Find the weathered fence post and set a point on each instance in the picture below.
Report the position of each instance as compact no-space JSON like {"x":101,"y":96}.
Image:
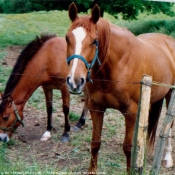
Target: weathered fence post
{"x":163,"y":135}
{"x":140,"y":131}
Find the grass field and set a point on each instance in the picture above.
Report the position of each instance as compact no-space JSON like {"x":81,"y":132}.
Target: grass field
{"x":19,"y":29}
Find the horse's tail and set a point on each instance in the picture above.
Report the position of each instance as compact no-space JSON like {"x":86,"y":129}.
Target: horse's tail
{"x":154,"y":114}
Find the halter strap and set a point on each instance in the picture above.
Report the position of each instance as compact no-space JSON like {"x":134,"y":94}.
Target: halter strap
{"x":88,"y":65}
{"x":18,"y":119}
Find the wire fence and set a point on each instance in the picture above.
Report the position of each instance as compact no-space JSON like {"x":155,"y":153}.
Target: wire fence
{"x":41,"y":101}
{"x":103,"y":80}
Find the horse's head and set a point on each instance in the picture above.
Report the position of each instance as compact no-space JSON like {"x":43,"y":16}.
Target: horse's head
{"x":9,"y":118}
{"x":82,"y":48}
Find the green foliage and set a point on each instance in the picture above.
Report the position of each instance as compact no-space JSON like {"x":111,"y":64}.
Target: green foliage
{"x":17,"y":6}
{"x":129,"y":9}
{"x":151,"y":26}
{"x":21,"y":6}
{"x":22,"y":28}
{"x":73,"y":117}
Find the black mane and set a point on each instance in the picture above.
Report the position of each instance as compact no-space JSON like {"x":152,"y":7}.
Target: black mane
{"x":25,"y":56}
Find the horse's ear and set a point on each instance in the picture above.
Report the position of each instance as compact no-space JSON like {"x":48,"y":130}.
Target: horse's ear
{"x":73,"y":12}
{"x":95,"y":14}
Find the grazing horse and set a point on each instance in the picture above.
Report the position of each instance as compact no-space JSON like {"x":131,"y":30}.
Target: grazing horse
{"x":41,"y":63}
{"x":110,"y":61}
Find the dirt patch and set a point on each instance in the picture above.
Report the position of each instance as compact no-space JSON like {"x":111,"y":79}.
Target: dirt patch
{"x":69,"y":156}
{"x":12,"y":55}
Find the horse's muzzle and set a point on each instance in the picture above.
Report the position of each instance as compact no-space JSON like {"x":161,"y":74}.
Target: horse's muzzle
{"x":4,"y":137}
{"x":75,"y":87}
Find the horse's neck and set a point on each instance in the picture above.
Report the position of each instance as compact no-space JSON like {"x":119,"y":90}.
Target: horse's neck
{"x":121,"y":39}
{"x":121,"y":45}
{"x":24,"y":89}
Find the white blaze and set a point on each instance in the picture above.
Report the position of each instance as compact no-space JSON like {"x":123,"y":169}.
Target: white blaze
{"x":79,"y":34}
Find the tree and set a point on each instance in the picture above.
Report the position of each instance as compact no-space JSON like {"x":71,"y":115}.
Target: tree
{"x":129,"y":9}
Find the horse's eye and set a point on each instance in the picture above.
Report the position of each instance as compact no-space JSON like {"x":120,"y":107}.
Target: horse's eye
{"x":94,"y":41}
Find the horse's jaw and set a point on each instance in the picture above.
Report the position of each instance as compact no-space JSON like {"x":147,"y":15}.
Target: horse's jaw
{"x":76,"y":92}
{"x":4,"y":137}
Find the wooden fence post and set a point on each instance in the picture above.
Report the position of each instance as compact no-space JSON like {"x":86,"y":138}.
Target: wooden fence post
{"x":163,"y":135}
{"x":140,"y":130}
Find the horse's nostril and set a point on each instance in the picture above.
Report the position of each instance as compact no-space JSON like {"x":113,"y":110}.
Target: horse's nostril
{"x":82,"y":81}
{"x":68,"y":81}
{"x":5,"y":118}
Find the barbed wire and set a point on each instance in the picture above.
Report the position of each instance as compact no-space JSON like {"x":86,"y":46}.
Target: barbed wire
{"x":105,"y":80}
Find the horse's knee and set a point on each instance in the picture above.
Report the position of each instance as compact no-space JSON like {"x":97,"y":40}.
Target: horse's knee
{"x":66,"y":109}
{"x":127,"y":149}
{"x":95,"y":146}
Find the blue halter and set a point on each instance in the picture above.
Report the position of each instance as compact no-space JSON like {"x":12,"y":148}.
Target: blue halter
{"x":88,"y":65}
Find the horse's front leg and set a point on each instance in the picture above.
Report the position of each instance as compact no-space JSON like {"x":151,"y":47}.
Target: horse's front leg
{"x":48,"y":96}
{"x":66,"y":98}
{"x":97,"y":121}
{"x":82,"y":119}
{"x":130,"y":118}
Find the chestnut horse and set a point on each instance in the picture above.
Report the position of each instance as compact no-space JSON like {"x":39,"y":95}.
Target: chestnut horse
{"x":41,"y":63}
{"x":110,"y":61}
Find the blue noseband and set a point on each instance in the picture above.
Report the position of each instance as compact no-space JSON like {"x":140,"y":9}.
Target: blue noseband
{"x":88,"y":65}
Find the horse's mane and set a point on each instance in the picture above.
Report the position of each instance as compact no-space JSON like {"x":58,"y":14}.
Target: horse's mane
{"x":103,"y":29}
{"x":103,"y":33}
{"x":24,"y":58}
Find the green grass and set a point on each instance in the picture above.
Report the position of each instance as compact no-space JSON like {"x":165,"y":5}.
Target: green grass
{"x":73,"y":116}
{"x":19,"y":29}
{"x":4,"y":71}
{"x":18,"y":164}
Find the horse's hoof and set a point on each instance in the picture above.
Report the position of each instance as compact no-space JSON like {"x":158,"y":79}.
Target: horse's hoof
{"x":46,"y":136}
{"x":65,"y":139}
{"x":75,"y":129}
{"x":140,"y":170}
{"x":167,"y":163}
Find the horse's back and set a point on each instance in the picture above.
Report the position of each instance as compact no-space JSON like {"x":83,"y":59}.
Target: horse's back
{"x":50,"y":62}
{"x":159,"y":58}
{"x":53,"y":54}
{"x":158,"y":48}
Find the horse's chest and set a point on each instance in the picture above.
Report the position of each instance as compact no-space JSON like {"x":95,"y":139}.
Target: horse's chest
{"x":106,"y":100}
{"x":116,"y":97}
